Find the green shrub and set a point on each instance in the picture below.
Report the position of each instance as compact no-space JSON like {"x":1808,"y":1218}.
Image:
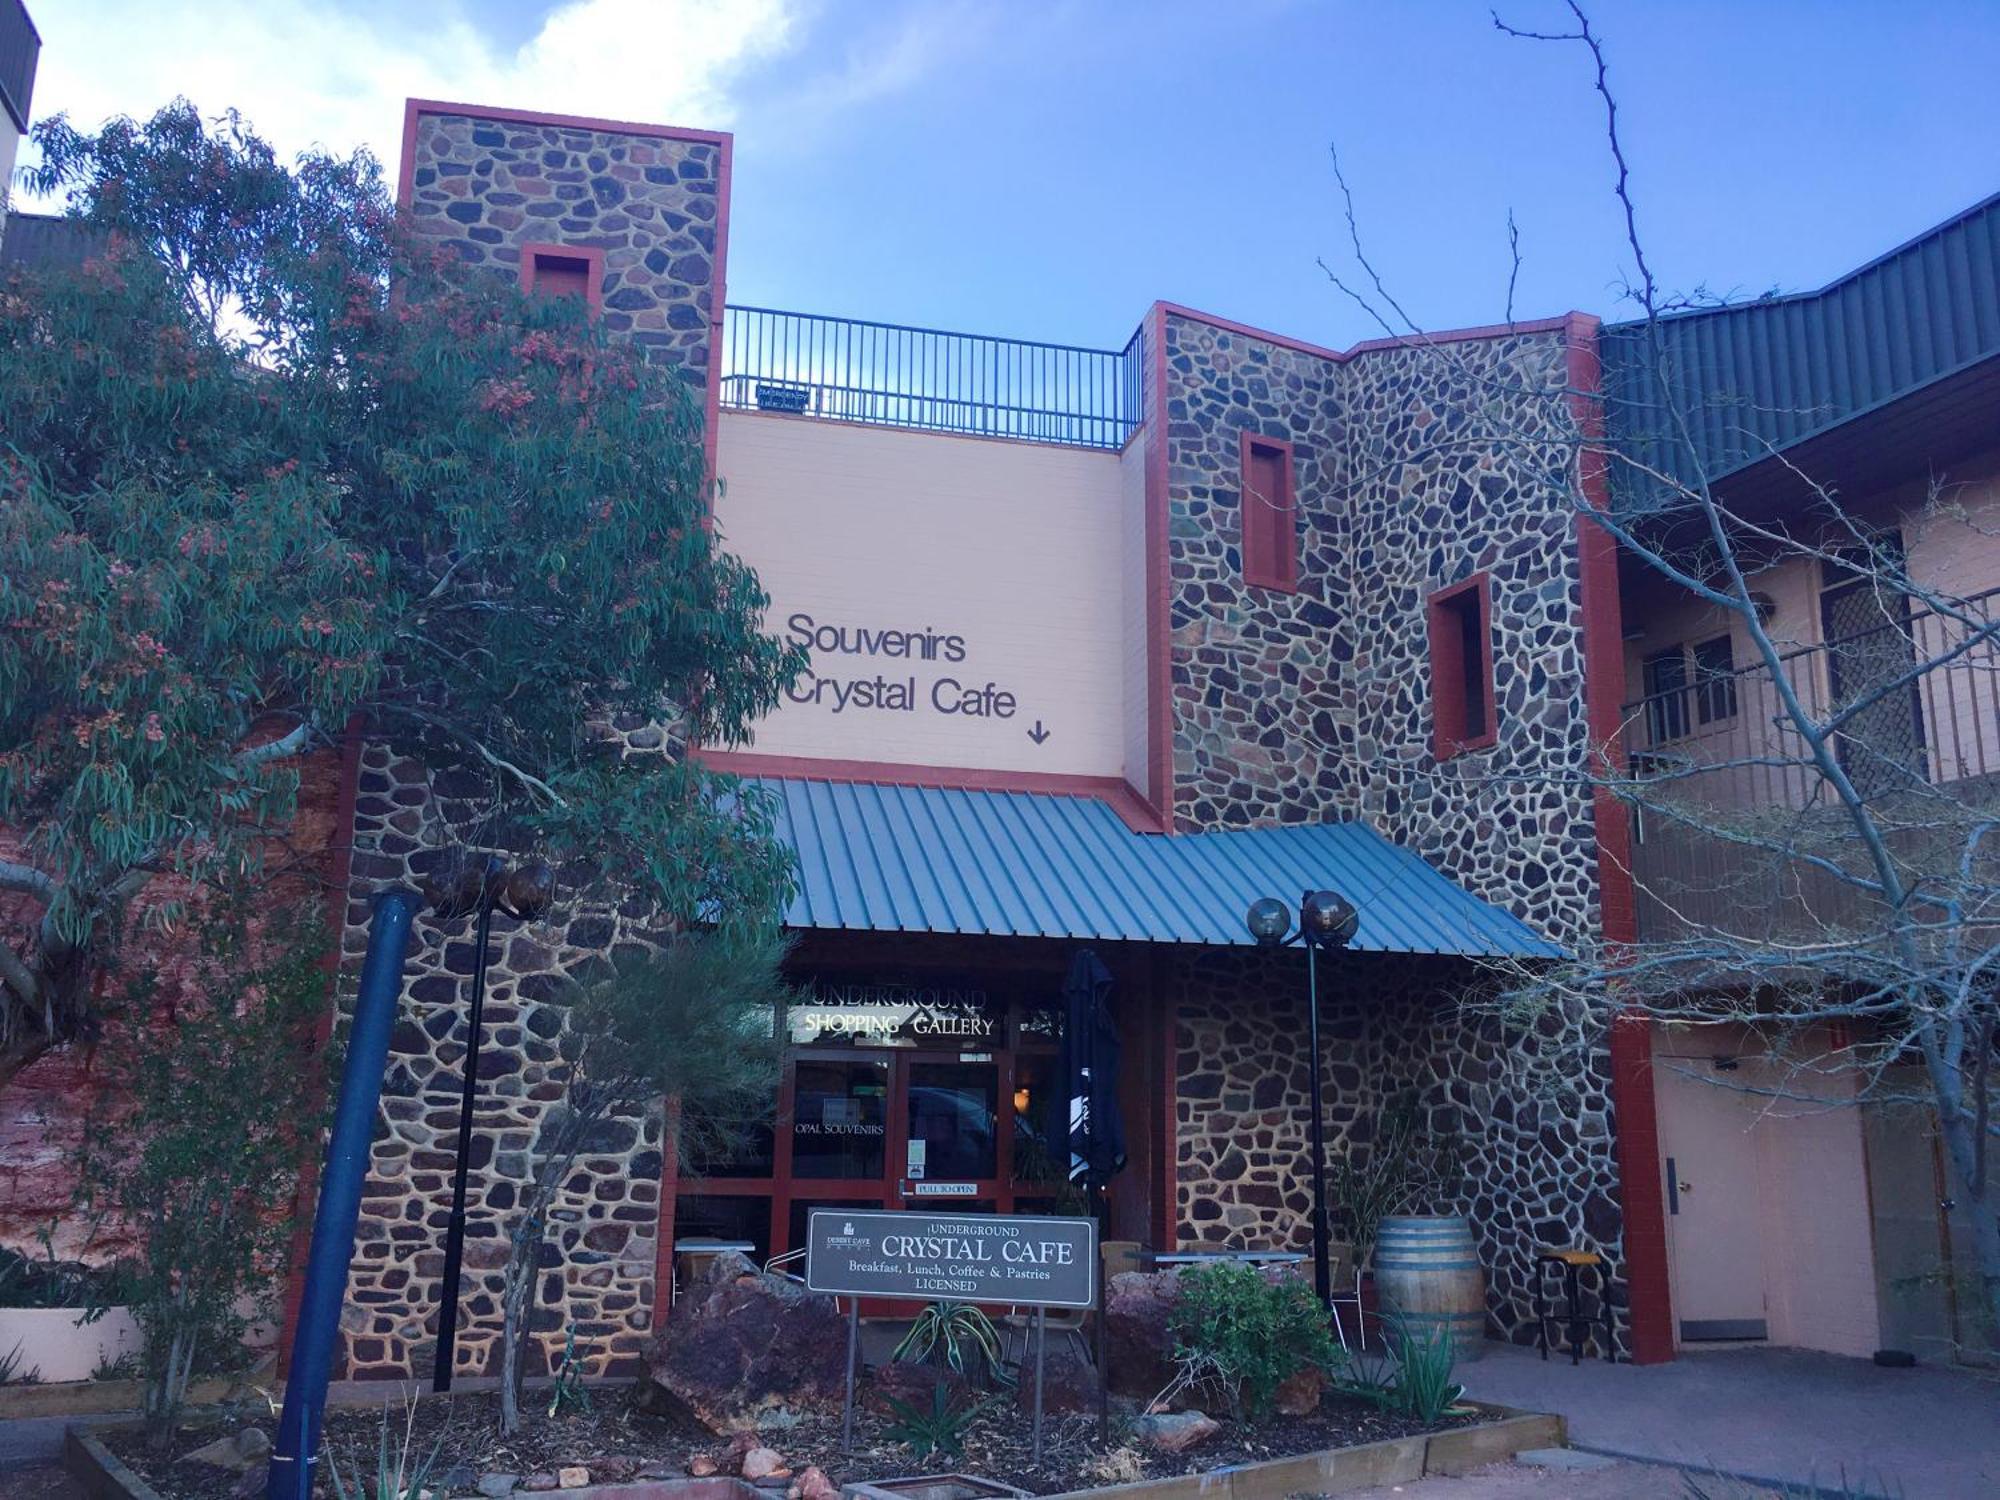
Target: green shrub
{"x":1245,"y":1334}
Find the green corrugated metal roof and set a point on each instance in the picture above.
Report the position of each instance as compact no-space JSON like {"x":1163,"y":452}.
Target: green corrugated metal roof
{"x":885,"y":858}
{"x":1764,"y":375}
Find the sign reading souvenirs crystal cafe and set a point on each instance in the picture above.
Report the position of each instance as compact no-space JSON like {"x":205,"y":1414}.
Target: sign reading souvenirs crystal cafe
{"x":861,"y":669}
{"x":1027,"y":1262}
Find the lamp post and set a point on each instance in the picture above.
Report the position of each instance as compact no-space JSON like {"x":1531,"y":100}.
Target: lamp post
{"x":465,"y":884}
{"x":1326,"y":920}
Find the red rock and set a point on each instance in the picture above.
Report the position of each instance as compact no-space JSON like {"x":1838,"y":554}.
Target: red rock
{"x":813,"y":1485}
{"x":764,"y":1463}
{"x":740,"y":1345}
{"x":1069,"y":1380}
{"x":1139,"y":1343}
{"x":1300,"y":1395}
{"x":1175,"y":1432}
{"x":700,"y":1465}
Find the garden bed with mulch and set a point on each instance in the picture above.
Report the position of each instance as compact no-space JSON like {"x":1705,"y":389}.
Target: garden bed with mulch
{"x":617,"y":1440}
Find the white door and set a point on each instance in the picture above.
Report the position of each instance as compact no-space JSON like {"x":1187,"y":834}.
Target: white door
{"x":1714,"y":1228}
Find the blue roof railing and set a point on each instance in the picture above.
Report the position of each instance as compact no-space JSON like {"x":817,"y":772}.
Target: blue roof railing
{"x":897,"y":375}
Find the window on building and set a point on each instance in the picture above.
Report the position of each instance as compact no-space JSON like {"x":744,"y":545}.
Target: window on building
{"x":562,"y":271}
{"x":1714,"y":681}
{"x":561,"y":276}
{"x":1270,"y":512}
{"x":1463,"y":716}
{"x":1665,"y":677}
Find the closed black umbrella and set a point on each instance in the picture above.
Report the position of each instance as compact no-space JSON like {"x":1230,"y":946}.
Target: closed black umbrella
{"x":1092,"y":1127}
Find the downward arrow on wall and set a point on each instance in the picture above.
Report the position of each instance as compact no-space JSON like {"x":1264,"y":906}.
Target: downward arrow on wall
{"x":1038,"y":734}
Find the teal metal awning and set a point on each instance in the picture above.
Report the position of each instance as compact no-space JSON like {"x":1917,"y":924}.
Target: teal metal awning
{"x":881,"y":858}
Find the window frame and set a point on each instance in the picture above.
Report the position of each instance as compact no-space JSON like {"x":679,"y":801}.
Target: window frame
{"x":1715,"y":699}
{"x":1284,"y":517}
{"x":1444,"y":613}
{"x":1669,"y":710}
{"x":592,"y":255}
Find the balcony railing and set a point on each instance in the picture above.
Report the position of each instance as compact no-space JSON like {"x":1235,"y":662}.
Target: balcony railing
{"x":892,"y":375}
{"x":1921,"y":740}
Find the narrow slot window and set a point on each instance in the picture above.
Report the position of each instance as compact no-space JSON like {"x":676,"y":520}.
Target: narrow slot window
{"x":1463,"y":712}
{"x":1270,"y":515}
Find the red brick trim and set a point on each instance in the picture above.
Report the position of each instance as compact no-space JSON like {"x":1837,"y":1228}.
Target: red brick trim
{"x":340,"y":866}
{"x":1124,"y":801}
{"x":725,"y":179}
{"x":1165,"y":1013}
{"x":1368,"y":346}
{"x":1283,"y":515}
{"x":593,"y":256}
{"x":1446,"y":653}
{"x":1641,"y":1192}
{"x":1159,"y":578}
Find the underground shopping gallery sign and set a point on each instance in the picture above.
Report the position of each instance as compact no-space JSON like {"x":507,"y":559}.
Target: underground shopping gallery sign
{"x":1022,"y":1262}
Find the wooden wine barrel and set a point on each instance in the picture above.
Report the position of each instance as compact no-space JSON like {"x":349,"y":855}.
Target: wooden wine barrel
{"x":1427,"y":1273}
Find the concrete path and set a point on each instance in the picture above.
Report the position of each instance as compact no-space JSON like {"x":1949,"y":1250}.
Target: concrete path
{"x":1619,"y":1481}
{"x":1931,"y":1433}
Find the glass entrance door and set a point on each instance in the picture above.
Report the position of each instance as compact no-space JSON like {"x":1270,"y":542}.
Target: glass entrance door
{"x":952,"y":1132}
{"x":838,"y":1137}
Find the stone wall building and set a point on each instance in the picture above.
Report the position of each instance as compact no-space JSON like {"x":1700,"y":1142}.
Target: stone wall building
{"x":1296,"y":702}
{"x":1105,"y":645}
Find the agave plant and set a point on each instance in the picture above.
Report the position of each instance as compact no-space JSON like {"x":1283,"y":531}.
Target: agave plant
{"x":940,"y":1429}
{"x":399,"y":1473}
{"x":957,"y":1335}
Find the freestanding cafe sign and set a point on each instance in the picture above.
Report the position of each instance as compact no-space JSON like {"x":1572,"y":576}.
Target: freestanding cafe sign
{"x":947,"y":1257}
{"x":953,"y":1257}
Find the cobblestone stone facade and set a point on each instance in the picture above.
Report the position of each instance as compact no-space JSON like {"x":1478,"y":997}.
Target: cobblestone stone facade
{"x":1539,"y":1164}
{"x":1416,"y":468}
{"x":598,"y":1260}
{"x":652,"y":202}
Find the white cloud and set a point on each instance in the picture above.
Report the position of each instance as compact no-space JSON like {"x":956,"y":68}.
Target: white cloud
{"x":304,"y":75}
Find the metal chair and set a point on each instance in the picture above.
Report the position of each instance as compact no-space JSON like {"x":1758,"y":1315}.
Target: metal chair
{"x":1343,"y":1298}
{"x":1063,"y":1323}
{"x":781,"y":1265}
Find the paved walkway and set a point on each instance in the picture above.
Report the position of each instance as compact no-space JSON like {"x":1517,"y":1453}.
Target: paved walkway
{"x":1927,"y":1434}
{"x":1620,"y":1481}
{"x":41,"y":1482}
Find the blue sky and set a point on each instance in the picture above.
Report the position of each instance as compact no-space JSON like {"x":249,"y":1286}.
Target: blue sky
{"x":1047,"y":169}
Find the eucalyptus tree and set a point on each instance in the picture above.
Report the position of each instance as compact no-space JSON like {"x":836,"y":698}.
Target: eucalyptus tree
{"x":268,"y":467}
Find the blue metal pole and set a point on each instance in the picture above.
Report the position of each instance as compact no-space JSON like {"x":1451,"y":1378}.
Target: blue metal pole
{"x":297,"y":1450}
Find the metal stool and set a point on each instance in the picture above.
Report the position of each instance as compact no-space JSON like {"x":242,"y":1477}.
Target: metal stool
{"x":1570,"y":1264}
